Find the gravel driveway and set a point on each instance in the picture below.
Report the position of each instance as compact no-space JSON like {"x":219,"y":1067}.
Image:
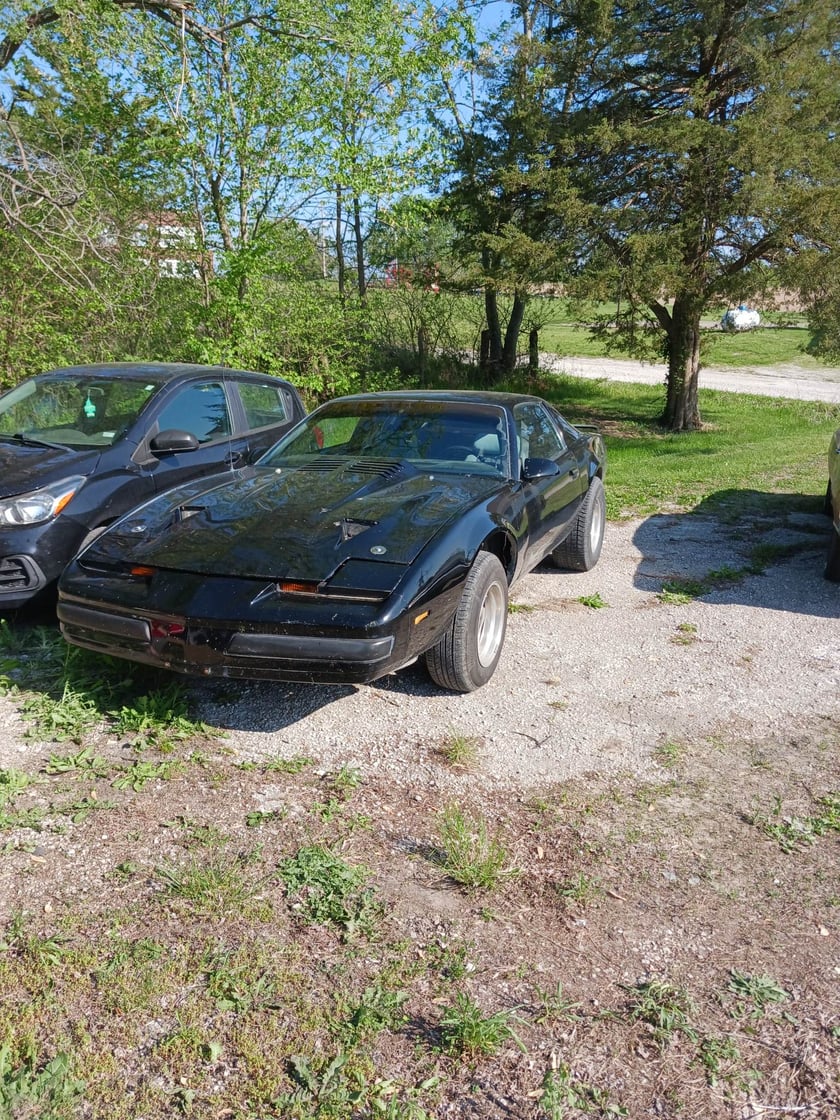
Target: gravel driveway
{"x":581,"y":689}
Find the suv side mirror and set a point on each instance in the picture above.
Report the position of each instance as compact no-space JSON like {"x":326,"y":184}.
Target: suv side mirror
{"x":532,"y":469}
{"x":173,"y":439}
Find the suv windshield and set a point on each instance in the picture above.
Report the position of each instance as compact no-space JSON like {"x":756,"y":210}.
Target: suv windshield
{"x":74,"y":412}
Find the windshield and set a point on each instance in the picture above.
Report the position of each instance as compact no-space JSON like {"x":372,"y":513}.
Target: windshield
{"x":431,"y":435}
{"x":74,"y":411}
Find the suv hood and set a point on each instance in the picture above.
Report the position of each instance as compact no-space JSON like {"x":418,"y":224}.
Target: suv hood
{"x":24,"y":467}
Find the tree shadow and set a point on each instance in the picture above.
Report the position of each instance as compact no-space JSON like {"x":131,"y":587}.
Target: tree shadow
{"x":741,"y":547}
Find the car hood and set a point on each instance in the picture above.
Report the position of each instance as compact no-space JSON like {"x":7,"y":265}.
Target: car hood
{"x":294,"y":522}
{"x":24,"y":467}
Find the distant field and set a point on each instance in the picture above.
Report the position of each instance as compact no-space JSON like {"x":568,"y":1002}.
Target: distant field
{"x":766,"y":345}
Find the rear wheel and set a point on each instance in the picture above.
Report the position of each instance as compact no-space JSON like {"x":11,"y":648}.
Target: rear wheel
{"x":467,"y":655}
{"x":580,"y":550}
{"x":832,"y":565}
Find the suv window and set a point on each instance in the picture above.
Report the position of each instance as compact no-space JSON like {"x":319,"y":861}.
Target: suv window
{"x":200,"y":409}
{"x":263,"y":404}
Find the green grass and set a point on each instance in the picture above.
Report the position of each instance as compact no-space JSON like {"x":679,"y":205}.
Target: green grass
{"x":754,"y":455}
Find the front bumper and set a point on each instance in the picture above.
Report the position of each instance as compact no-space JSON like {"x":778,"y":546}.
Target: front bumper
{"x":204,"y":649}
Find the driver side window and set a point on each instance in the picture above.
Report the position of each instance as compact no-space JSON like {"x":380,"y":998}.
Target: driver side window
{"x":537,"y":436}
{"x":200,"y":409}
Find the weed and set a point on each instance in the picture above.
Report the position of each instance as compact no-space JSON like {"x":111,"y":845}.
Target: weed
{"x":84,"y":761}
{"x":686,"y":634}
{"x":758,"y":991}
{"x":472,"y":857}
{"x":380,"y":1008}
{"x":669,"y":753}
{"x":287,"y":765}
{"x":47,"y":951}
{"x":720,"y":1058}
{"x":520,"y":608}
{"x":459,"y":750}
{"x":139,"y":773}
{"x":664,"y":1007}
{"x":70,"y":717}
{"x":12,"y":782}
{"x":48,"y":1091}
{"x":263,"y":816}
{"x":346,"y":779}
{"x":239,"y":983}
{"x":561,"y":1091}
{"x":158,"y":719}
{"x":594,"y":602}
{"x":330,"y":891}
{"x":792,"y":833}
{"x":678,"y":592}
{"x":580,"y":890}
{"x":467,"y":1032}
{"x":214,"y":887}
{"x":554,"y":1006}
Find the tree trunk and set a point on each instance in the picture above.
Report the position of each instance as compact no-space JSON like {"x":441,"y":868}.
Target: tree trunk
{"x":514,"y":327}
{"x":493,"y":360}
{"x":682,"y":413}
{"x":341,"y":266}
{"x":360,"y":249}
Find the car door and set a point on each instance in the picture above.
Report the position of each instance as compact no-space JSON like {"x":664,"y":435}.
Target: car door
{"x":551,"y":501}
{"x":201,"y":408}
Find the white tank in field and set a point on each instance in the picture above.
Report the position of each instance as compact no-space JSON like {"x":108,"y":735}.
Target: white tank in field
{"x":741,"y":318}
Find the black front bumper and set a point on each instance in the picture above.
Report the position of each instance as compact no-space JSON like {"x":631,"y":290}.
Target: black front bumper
{"x":212,"y":650}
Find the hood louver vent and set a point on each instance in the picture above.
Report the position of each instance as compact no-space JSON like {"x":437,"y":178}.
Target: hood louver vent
{"x":381,"y":468}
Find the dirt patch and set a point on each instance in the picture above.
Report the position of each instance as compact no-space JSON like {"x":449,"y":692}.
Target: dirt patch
{"x":660,"y":936}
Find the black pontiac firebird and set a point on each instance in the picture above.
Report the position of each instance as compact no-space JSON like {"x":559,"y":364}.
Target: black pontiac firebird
{"x":384,"y":527}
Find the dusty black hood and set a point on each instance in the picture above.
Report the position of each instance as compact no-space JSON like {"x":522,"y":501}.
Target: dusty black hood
{"x":294,"y":522}
{"x":24,"y":467}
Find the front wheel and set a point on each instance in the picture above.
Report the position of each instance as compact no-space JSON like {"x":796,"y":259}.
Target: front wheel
{"x":467,"y":655}
{"x":581,"y":548}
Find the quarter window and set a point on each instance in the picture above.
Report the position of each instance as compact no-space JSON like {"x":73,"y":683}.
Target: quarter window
{"x":263,"y":404}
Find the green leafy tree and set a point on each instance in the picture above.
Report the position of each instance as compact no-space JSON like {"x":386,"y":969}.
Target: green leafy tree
{"x":703,"y":139}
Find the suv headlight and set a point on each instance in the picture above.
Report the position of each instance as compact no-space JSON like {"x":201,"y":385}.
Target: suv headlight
{"x":39,"y":505}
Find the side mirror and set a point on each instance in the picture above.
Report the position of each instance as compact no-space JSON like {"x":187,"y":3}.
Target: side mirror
{"x":173,"y":439}
{"x":534,"y":469}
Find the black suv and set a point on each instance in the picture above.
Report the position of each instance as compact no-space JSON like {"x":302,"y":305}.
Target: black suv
{"x":81,"y":446}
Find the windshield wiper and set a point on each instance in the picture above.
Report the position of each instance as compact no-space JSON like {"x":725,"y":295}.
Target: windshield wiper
{"x":31,"y":441}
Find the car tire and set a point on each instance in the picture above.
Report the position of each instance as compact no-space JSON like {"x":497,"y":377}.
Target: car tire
{"x":580,"y":550}
{"x":832,"y":564}
{"x":467,"y":655}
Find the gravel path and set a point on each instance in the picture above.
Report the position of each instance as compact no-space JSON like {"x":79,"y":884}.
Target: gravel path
{"x":793,"y":381}
{"x":581,"y":689}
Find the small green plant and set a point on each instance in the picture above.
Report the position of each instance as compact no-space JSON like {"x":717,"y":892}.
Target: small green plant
{"x":459,"y":750}
{"x":594,"y":602}
{"x":686,"y":634}
{"x":292,"y":765}
{"x":664,"y":1007}
{"x":520,"y":608}
{"x":48,"y":1091}
{"x":555,"y":1006}
{"x":136,"y":776}
{"x":328,"y":891}
{"x":759,"y":992}
{"x":71,"y":716}
{"x":214,"y":886}
{"x":380,"y":1008}
{"x":720,"y":1058}
{"x":792,"y":833}
{"x":346,"y":779}
{"x":472,"y":856}
{"x":580,"y":889}
{"x":467,"y":1032}
{"x":159,"y":719}
{"x":12,"y":782}
{"x":84,"y":761}
{"x":669,"y":753}
{"x":562,"y":1095}
{"x":678,"y":592}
